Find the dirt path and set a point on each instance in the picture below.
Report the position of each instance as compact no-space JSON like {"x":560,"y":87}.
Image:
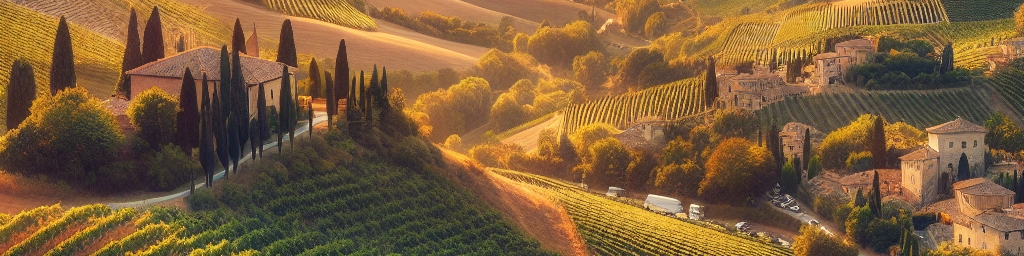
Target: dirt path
{"x":528,"y":138}
{"x":393,"y":46}
{"x":536,"y":215}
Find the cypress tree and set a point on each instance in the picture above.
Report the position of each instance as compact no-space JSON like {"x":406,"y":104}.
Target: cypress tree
{"x":1015,"y":187}
{"x":373,"y":94}
{"x":225,"y":84}
{"x":877,"y":147}
{"x":254,"y":132}
{"x":188,"y":115}
{"x":310,"y":108}
{"x":21,"y":91}
{"x":876,"y":196}
{"x":181,"y":44}
{"x":261,"y":118}
{"x":807,"y":149}
{"x":963,"y":168}
{"x":239,"y":100}
{"x":946,"y":64}
{"x":284,"y":119}
{"x":132,"y":57}
{"x":207,"y":154}
{"x":341,"y":71}
{"x":315,"y":84}
{"x":859,"y":200}
{"x":62,"y":69}
{"x":238,"y":38}
{"x":362,"y":91}
{"x":710,"y":83}
{"x":153,"y":38}
{"x":286,"y":49}
{"x":234,"y":149}
{"x":384,"y":102}
{"x":350,"y":102}
{"x":332,"y":101}
{"x":219,"y":131}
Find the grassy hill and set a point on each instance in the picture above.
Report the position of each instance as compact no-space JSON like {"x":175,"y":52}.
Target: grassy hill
{"x":978,"y":10}
{"x":614,"y":228}
{"x":666,"y":102}
{"x":339,"y":12}
{"x":921,"y":109}
{"x":1010,"y":85}
{"x":323,"y":197}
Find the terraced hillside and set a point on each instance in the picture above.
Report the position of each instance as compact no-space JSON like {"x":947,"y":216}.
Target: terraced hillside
{"x":339,"y":12}
{"x":750,"y":41}
{"x":921,"y":109}
{"x":666,"y":102}
{"x":1010,"y":85}
{"x":614,"y":228}
{"x":110,"y":18}
{"x":978,"y":10}
{"x":320,"y":198}
{"x":29,"y":34}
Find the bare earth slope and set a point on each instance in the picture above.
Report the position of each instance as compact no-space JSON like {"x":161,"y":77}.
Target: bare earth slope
{"x":534,"y":213}
{"x":392,"y":46}
{"x":456,"y":8}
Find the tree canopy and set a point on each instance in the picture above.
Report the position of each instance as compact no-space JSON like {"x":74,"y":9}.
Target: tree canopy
{"x":737,"y":170}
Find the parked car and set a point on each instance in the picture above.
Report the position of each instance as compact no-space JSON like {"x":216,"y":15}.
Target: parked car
{"x":794,"y":208}
{"x":697,"y":212}
{"x":814,"y":223}
{"x":743,"y":226}
{"x":663,"y":204}
{"x":615,"y":192}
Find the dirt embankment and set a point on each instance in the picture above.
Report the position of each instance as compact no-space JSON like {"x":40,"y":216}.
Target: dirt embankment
{"x":535,"y":214}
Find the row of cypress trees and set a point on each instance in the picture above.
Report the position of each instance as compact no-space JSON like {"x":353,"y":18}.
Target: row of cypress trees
{"x":135,"y":55}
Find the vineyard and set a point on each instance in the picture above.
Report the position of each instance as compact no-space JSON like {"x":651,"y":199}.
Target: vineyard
{"x":978,"y":10}
{"x":318,"y":200}
{"x":665,"y":102}
{"x":1010,"y":85}
{"x":614,"y":228}
{"x":829,"y":111}
{"x":332,"y":11}
{"x":749,"y":41}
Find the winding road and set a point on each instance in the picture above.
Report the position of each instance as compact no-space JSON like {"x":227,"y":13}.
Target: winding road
{"x":321,"y":117}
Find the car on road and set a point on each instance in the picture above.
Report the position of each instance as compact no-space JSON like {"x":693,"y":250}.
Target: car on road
{"x":743,"y":226}
{"x":794,"y":208}
{"x":663,"y":204}
{"x":615,"y":192}
{"x":814,"y":223}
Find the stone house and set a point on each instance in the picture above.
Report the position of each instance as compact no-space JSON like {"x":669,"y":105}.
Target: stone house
{"x":929,"y":172}
{"x":755,"y":91}
{"x":830,"y":67}
{"x":983,"y":217}
{"x":1009,"y":50}
{"x":167,"y":74}
{"x":792,"y":135}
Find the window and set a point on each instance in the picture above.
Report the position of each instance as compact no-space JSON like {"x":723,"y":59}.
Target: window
{"x":982,"y":228}
{"x":963,"y":144}
{"x":1006,"y":236}
{"x":271,"y":94}
{"x":961,"y":240}
{"x":968,"y":241}
{"x":975,"y":143}
{"x":950,"y":144}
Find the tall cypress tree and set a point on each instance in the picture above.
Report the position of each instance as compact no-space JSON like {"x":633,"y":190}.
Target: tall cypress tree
{"x":342,"y":72}
{"x":350,"y":103}
{"x":946,"y":64}
{"x":286,"y":48}
{"x":807,"y":149}
{"x":238,"y":38}
{"x":225,"y":84}
{"x":963,"y":169}
{"x":315,"y":84}
{"x":62,"y":69}
{"x":877,"y":147}
{"x":284,"y":119}
{"x":220,"y":131}
{"x":310,"y":115}
{"x":132,"y":57}
{"x":188,"y":115}
{"x":20,"y":93}
{"x":261,"y":119}
{"x":710,"y":83}
{"x":153,"y":38}
{"x":384,"y":102}
{"x":373,"y":94}
{"x":362,"y":91}
{"x":234,"y":149}
{"x":332,"y":101}
{"x":239,"y":100}
{"x":876,"y":196}
{"x":254,"y":133}
{"x":207,"y":154}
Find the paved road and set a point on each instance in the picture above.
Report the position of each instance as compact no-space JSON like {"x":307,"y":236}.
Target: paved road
{"x":300,"y":130}
{"x":805,"y":216}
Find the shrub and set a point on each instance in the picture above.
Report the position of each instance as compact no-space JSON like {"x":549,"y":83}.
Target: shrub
{"x":501,"y":69}
{"x":71,"y":136}
{"x":153,"y":114}
{"x":585,"y":136}
{"x":814,"y":241}
{"x":683,"y":179}
{"x":859,"y":162}
{"x":922,"y":220}
{"x":234,"y":195}
{"x":454,"y":111}
{"x":838,"y":145}
{"x":634,"y":13}
{"x":735,"y":122}
{"x":170,"y":168}
{"x":609,"y":162}
{"x":558,"y":47}
{"x":202,"y":200}
{"x":119,"y":176}
{"x":591,"y":70}
{"x":453,"y":142}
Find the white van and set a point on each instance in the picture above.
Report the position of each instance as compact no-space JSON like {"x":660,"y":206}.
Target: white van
{"x":615,"y":192}
{"x":663,"y":204}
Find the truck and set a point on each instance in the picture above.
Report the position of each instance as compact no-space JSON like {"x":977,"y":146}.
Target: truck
{"x":663,"y":204}
{"x":615,"y":192}
{"x":697,"y":212}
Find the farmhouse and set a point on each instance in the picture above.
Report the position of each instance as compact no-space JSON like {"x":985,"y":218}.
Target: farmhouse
{"x":754,"y":91}
{"x":1009,"y":50}
{"x":830,"y":67}
{"x":929,"y":172}
{"x":983,"y":216}
{"x":792,"y":135}
{"x":167,"y":74}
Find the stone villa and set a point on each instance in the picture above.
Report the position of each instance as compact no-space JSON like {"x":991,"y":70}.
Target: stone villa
{"x":830,"y":67}
{"x":983,"y":216}
{"x":1009,"y":50}
{"x":929,"y":172}
{"x":754,"y":91}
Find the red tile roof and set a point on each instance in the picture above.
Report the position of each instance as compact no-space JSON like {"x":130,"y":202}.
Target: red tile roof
{"x":958,"y":125}
{"x":921,"y":154}
{"x":207,"y":59}
{"x":981,"y":186}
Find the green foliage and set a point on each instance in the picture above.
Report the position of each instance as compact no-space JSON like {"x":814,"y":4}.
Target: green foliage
{"x":790,"y":177}
{"x":877,"y":146}
{"x":558,"y":47}
{"x":735,"y":123}
{"x":202,"y":200}
{"x":921,"y":47}
{"x":502,"y":70}
{"x":26,"y":219}
{"x":458,"y":109}
{"x":132,"y":57}
{"x":840,"y":144}
{"x":74,"y":216}
{"x":608,"y":162}
{"x":923,"y":219}
{"x":591,"y":70}
{"x":71,"y":136}
{"x":452,"y":28}
{"x":521,"y":43}
{"x":238,"y":38}
{"x":859,"y":162}
{"x":169,"y":168}
{"x":80,"y":240}
{"x":814,"y":167}
{"x":21,"y":91}
{"x":814,"y":241}
{"x":908,"y":71}
{"x":682,"y":178}
{"x":1003,"y":133}
{"x":187,"y":117}
{"x":656,"y":25}
{"x":857,"y":224}
{"x":883,"y":233}
{"x":316,"y":84}
{"x":153,"y":114}
{"x":951,"y":248}
{"x":633,"y":13}
{"x":62,"y":69}
{"x":737,"y":170}
{"x":960,"y":11}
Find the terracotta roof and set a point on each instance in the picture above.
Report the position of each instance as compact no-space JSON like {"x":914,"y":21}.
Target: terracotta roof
{"x":1000,"y":221}
{"x":981,"y":186}
{"x":958,"y":125}
{"x":921,"y":154}
{"x":747,"y":76}
{"x":827,"y":55}
{"x":207,"y":59}
{"x":867,"y":177}
{"x":855,"y":43}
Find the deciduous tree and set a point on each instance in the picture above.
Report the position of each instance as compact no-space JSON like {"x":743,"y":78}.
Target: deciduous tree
{"x":813,"y":241}
{"x":153,"y":38}
{"x":62,"y":69}
{"x":737,"y":170}
{"x":153,"y":115}
{"x":21,"y":92}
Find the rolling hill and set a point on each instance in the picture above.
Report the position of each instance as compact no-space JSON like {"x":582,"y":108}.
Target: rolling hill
{"x":337,"y":12}
{"x":665,"y":102}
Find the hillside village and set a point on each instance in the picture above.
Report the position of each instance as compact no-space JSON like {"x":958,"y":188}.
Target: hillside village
{"x":534,"y":127}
